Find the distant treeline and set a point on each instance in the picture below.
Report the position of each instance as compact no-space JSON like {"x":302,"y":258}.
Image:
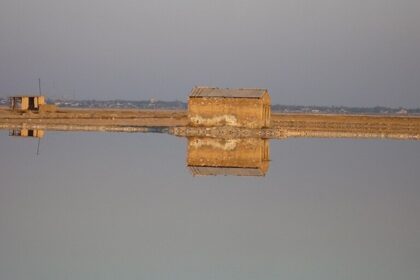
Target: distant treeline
{"x":157,"y":104}
{"x":122,"y":104}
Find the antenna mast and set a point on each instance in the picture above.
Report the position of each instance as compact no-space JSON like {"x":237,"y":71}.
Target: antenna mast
{"x":39,"y":86}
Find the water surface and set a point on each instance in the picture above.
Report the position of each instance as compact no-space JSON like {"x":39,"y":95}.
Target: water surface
{"x":125,"y":206}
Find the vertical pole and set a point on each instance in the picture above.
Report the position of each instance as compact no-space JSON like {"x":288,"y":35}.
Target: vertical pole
{"x":39,"y":86}
{"x":37,"y":149}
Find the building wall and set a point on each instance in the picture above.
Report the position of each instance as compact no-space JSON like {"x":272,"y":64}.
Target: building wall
{"x":39,"y":133}
{"x":239,"y":112}
{"x":238,"y":153}
{"x":40,"y":100}
{"x":266,"y":101}
{"x":25,"y":103}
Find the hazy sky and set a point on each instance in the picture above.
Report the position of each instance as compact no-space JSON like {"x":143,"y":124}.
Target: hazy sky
{"x":359,"y":52}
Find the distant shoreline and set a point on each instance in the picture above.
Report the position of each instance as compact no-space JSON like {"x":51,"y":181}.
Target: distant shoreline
{"x":180,"y":105}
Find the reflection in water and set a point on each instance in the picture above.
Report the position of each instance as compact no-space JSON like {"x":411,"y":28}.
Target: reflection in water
{"x":208,"y":156}
{"x":36,"y":133}
{"x":107,"y":206}
{"x":239,"y":157}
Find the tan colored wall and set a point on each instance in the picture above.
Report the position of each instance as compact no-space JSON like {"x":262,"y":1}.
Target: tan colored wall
{"x":39,"y":133}
{"x":25,"y":103}
{"x":239,"y":112}
{"x":40,"y":100}
{"x":266,"y":110}
{"x":239,"y":153}
{"x":24,"y":132}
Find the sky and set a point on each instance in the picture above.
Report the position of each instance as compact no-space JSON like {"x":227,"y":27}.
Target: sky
{"x":325,"y":52}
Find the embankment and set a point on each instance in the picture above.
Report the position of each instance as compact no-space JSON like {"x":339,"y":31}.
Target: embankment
{"x":282,"y":125}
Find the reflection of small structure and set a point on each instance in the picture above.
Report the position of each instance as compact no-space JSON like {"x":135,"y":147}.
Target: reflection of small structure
{"x":26,"y":103}
{"x":36,"y":133}
{"x":240,"y":157}
{"x":234,"y":107}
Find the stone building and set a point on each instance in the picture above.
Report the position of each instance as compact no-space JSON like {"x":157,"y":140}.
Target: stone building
{"x":25,"y":103}
{"x":239,"y":157}
{"x":249,"y":108}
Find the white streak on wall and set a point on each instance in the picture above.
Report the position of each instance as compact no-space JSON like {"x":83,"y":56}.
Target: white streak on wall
{"x":216,"y":120}
{"x":227,"y":145}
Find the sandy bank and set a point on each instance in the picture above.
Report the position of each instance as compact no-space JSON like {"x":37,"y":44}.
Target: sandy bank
{"x":282,"y":125}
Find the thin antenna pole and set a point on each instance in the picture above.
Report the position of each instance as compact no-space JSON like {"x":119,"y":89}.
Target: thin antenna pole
{"x":37,"y":149}
{"x":39,"y":86}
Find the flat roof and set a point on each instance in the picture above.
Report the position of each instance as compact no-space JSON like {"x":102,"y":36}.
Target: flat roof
{"x":21,"y":96}
{"x":227,"y":92}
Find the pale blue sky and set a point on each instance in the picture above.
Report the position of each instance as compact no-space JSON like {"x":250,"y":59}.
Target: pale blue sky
{"x":325,"y":52}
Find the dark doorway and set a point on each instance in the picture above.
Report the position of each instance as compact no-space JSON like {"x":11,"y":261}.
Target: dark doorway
{"x":31,"y":103}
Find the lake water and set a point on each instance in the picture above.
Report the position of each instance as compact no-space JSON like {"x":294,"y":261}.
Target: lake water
{"x":126,"y":206}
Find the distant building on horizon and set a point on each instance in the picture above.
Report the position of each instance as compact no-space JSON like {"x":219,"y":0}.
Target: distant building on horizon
{"x":26,"y":102}
{"x":211,"y":107}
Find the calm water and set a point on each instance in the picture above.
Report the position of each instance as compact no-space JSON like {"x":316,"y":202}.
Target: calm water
{"x":125,"y":206}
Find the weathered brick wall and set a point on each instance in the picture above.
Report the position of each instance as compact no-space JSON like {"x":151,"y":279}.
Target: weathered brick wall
{"x":239,"y":112}
{"x":240,"y":153}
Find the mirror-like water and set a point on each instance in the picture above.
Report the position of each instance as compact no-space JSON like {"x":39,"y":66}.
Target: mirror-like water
{"x":126,"y":206}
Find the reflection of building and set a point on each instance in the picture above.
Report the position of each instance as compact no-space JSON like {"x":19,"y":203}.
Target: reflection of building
{"x":235,"y":107}
{"x":26,"y":102}
{"x":240,"y":157}
{"x":36,"y":133}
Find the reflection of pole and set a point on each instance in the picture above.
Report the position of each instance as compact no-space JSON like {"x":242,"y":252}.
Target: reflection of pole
{"x":37,"y":149}
{"x":39,"y":86}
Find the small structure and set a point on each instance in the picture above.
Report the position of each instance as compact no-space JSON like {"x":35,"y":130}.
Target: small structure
{"x":248,"y":108}
{"x":238,"y":157}
{"x":26,"y":103}
{"x":36,"y":133}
